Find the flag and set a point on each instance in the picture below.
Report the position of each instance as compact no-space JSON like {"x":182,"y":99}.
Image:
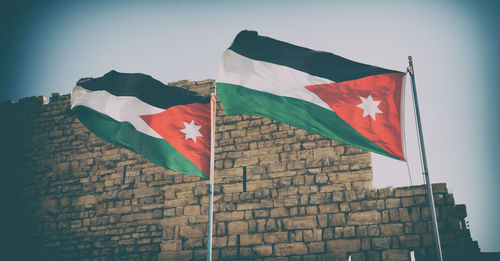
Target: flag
{"x":321,"y":92}
{"x":168,"y":125}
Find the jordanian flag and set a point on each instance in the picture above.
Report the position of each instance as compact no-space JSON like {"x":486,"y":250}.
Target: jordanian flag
{"x":321,"y":92}
{"x":168,"y":125}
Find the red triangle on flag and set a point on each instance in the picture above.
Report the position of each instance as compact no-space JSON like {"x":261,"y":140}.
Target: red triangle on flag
{"x":187,"y":129}
{"x":370,"y":105}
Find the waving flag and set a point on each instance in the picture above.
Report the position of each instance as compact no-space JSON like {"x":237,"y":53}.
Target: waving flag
{"x":168,"y":125}
{"x":321,"y":92}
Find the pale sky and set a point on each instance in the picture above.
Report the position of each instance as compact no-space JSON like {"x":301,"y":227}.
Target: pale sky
{"x":46,"y":47}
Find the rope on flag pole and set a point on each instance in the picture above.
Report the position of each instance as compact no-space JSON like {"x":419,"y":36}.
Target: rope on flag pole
{"x":213,"y":110}
{"x":432,"y":207}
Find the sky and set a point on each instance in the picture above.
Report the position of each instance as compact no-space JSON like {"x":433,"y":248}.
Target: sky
{"x":46,"y":46}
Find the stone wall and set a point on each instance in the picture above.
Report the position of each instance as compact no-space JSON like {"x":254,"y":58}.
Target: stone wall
{"x":281,"y":194}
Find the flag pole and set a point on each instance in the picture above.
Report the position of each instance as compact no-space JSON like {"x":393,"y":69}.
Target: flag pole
{"x":432,"y":206}
{"x":212,"y":174}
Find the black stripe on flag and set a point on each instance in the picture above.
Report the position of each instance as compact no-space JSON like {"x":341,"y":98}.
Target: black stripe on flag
{"x":318,"y":63}
{"x":144,"y":87}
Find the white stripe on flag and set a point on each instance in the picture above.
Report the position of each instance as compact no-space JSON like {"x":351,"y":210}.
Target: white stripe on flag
{"x":120,"y":108}
{"x":268,"y":77}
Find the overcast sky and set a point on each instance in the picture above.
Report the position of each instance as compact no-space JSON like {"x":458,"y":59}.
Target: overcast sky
{"x":46,"y":47}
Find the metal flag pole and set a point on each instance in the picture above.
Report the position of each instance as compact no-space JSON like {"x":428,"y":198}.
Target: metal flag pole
{"x":424,"y":162}
{"x":212,"y":174}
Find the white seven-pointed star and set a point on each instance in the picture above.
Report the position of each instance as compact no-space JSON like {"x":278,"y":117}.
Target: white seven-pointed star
{"x":369,"y":106}
{"x":191,"y":130}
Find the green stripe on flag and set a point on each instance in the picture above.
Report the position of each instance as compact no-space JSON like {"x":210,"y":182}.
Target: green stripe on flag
{"x":124,"y":134}
{"x":295,"y":112}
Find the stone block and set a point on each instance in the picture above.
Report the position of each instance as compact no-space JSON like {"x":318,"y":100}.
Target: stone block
{"x":177,"y":255}
{"x":439,"y":188}
{"x":271,"y":225}
{"x":407,"y":202}
{"x":248,"y":206}
{"x":316,"y":247}
{"x":193,"y":243}
{"x":362,"y":231}
{"x":379,"y":243}
{"x":385,"y":216}
{"x":229,"y":172}
{"x":198,"y":219}
{"x":281,"y":174}
{"x":373,"y":256}
{"x":192,"y":231}
{"x":386,"y":192}
{"x":394,"y":215}
{"x":136,"y":216}
{"x":369,"y":205}
{"x":331,"y":188}
{"x":446,"y":212}
{"x":351,"y":176}
{"x":355,"y":206}
{"x":261,"y":213}
{"x":289,"y":249}
{"x":395,"y":255}
{"x":174,"y":221}
{"x":276,"y":237}
{"x":297,"y":236}
{"x":246,"y":161}
{"x":339,"y":232}
{"x":380,"y":204}
{"x":279,"y":212}
{"x":393,"y":203}
{"x":220,"y":242}
{"x":319,"y":153}
{"x":308,"y":235}
{"x":321,"y":179}
{"x":316,"y":198}
{"x":337,"y":219}
{"x":404,"y":215}
{"x":263,"y":250}
{"x":344,"y":207}
{"x":328,"y":233}
{"x":193,"y":210}
{"x":337,"y":196}
{"x":461,"y":211}
{"x":342,"y":246}
{"x":349,"y":232}
{"x":309,"y":145}
{"x":87,"y":200}
{"x":250,"y":239}
{"x":126,"y":242}
{"x":391,"y":229}
{"x":404,"y":192}
{"x":409,"y":241}
{"x":237,"y":227}
{"x":356,"y":257}
{"x":171,"y":245}
{"x":350,"y":195}
{"x":300,"y":222}
{"x":229,"y":216}
{"x":365,"y":243}
{"x":364,"y":218}
{"x":146,"y":192}
{"x":317,"y":234}
{"x":259,"y":184}
{"x":312,"y":210}
{"x":291,"y":201}
{"x":232,"y":188}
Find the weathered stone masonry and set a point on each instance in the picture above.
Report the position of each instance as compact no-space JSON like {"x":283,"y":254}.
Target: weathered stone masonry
{"x":281,"y":194}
